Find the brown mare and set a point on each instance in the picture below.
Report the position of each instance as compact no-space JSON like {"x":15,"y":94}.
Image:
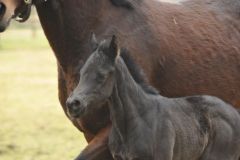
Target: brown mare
{"x":185,"y":49}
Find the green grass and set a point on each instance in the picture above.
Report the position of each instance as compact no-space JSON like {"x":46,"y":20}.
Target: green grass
{"x":33,"y":125}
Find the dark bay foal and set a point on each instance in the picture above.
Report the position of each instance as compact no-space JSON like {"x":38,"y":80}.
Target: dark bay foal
{"x":146,"y":125}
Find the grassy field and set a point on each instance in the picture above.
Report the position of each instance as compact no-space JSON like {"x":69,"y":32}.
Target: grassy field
{"x":33,"y":125}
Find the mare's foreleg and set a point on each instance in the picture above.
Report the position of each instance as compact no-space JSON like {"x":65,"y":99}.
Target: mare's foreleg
{"x":97,"y":148}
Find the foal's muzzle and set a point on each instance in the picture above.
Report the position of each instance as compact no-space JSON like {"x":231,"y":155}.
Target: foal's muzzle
{"x":74,"y":108}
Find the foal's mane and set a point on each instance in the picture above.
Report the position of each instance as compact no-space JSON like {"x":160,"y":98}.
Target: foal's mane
{"x":136,"y":72}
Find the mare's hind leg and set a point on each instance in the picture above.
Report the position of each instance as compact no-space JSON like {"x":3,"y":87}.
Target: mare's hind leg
{"x":222,"y":143}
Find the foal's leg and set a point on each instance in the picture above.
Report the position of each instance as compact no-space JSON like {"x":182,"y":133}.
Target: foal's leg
{"x":97,"y":149}
{"x":223,"y":144}
{"x":166,"y":137}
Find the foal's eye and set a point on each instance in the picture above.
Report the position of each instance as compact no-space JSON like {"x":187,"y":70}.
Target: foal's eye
{"x":101,"y":77}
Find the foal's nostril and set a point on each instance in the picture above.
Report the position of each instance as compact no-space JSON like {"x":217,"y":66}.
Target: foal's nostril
{"x":76,"y":102}
{"x":74,"y":108}
{"x":2,"y":10}
{"x":73,"y":104}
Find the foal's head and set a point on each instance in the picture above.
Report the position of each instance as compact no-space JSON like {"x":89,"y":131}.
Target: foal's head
{"x":96,"y":78}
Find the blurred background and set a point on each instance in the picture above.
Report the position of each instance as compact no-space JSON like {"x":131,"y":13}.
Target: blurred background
{"x":33,"y":125}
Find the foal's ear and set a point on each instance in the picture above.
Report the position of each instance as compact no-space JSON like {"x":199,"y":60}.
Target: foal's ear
{"x":113,"y":48}
{"x":94,"y":42}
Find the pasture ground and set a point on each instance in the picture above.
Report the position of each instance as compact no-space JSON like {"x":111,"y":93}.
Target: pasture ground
{"x":33,"y":125}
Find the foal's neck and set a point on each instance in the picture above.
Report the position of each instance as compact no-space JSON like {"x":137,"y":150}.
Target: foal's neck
{"x":129,"y":101}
